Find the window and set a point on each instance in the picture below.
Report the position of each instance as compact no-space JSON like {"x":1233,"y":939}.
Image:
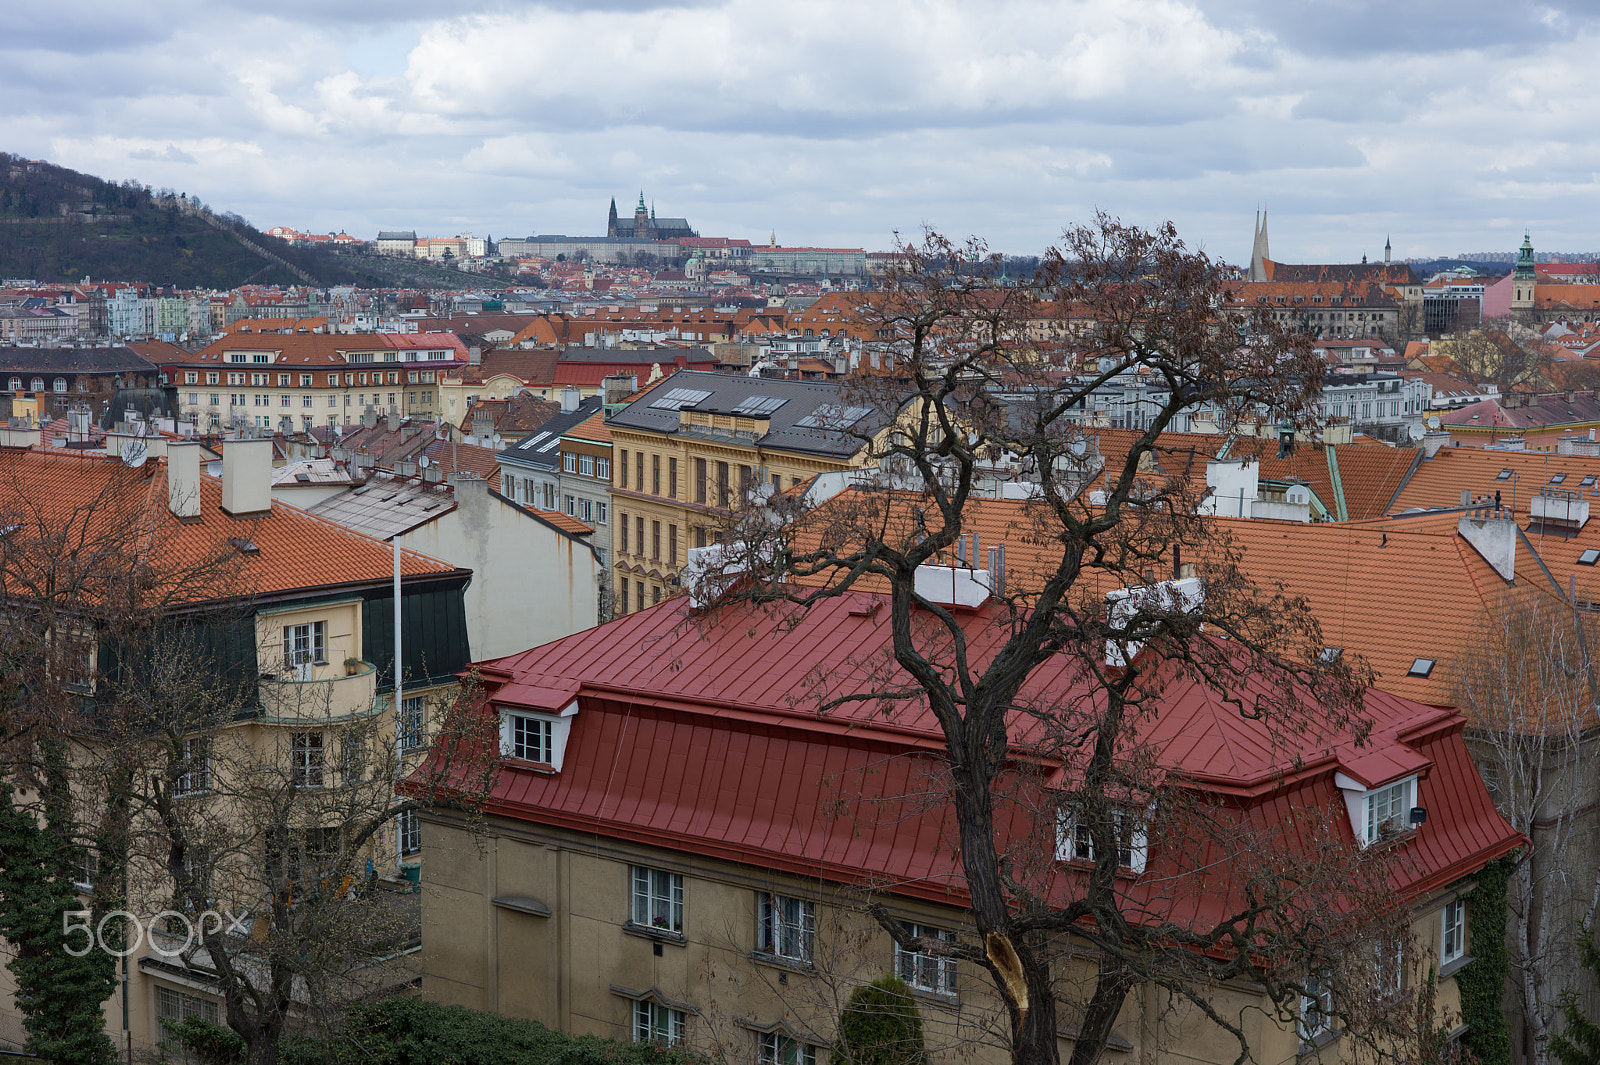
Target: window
{"x":333,"y":380}
{"x":303,"y":647}
{"x":305,"y":759}
{"x":638,"y":527}
{"x":672,"y":545}
{"x":528,"y":738}
{"x":622,"y":470}
{"x":638,"y":470}
{"x":409,"y":828}
{"x":655,"y":475}
{"x":657,"y":899}
{"x":352,"y":756}
{"x":655,"y":541}
{"x":1503,"y":475}
{"x":305,"y":380}
{"x":1315,"y":1007}
{"x":1453,"y":932}
{"x":699,"y":480}
{"x":1075,"y":841}
{"x":191,"y":377}
{"x":1389,"y":967}
{"x":622,"y":531}
{"x":586,"y":465}
{"x":787,"y":928}
{"x":194,"y":399}
{"x":1556,"y":479}
{"x":569,"y":462}
{"x":638,"y":587}
{"x":655,"y":594}
{"x":16,"y":384}
{"x":214,"y":398}
{"x":1420,"y":667}
{"x":1589,"y":557}
{"x":284,"y":401}
{"x":600,"y":513}
{"x":194,"y":767}
{"x":653,"y":1022}
{"x":722,"y":484}
{"x":570,"y":505}
{"x":211,"y":378}
{"x":926,"y":971}
{"x":1387,"y":810}
{"x":283,"y":380}
{"x":586,"y":509}
{"x":38,"y":384}
{"x":173,"y":1005}
{"x":778,"y":1049}
{"x":602,"y":469}
{"x":622,"y":593}
{"x":672,"y":478}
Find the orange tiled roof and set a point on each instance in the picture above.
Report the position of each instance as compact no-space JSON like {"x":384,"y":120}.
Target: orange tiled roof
{"x":591,"y":429}
{"x":296,"y":551}
{"x":565,"y":522}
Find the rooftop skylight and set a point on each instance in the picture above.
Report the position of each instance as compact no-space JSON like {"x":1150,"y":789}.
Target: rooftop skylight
{"x":1420,"y":667}
{"x":1503,"y":475}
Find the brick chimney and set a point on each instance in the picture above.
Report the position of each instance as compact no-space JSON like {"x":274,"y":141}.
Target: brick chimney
{"x":247,"y":477}
{"x":183,"y":480}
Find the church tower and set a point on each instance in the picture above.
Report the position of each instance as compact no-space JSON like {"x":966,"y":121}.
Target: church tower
{"x":1523,"y":277}
{"x":611,"y":223}
{"x":641,"y":219}
{"x":1388,"y":253}
{"x":1259,"y":253}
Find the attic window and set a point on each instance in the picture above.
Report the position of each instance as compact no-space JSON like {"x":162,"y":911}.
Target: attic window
{"x":1558,"y":478}
{"x":1589,"y":557}
{"x":1587,"y":481}
{"x":243,"y":546}
{"x":1330,"y":654}
{"x":1503,"y":475}
{"x":1420,"y":667}
{"x":363,"y":490}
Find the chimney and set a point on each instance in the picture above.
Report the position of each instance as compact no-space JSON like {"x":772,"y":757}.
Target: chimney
{"x":1432,"y":442}
{"x":1492,"y":532}
{"x":183,"y":480}
{"x":475,"y":355}
{"x":369,"y":418}
{"x":571,"y":396}
{"x":247,"y":477}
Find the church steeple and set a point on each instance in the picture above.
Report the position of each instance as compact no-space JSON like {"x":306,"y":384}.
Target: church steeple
{"x":1259,"y":253}
{"x":1388,"y":253}
{"x":611,"y":221}
{"x":1523,"y":277}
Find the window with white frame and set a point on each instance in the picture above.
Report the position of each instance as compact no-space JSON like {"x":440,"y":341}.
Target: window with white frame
{"x":602,"y":469}
{"x":1387,"y":810}
{"x":304,"y":646}
{"x":657,"y":899}
{"x":194,"y":772}
{"x":528,"y":737}
{"x":1389,"y":966}
{"x":654,"y":1022}
{"x":353,"y":756}
{"x":569,"y":462}
{"x":600,"y":510}
{"x":586,"y":509}
{"x":305,"y":759}
{"x":586,"y":465}
{"x":409,"y":828}
{"x":787,"y":928}
{"x":174,"y":1005}
{"x":1453,"y":933}
{"x":775,"y":1048}
{"x":1316,"y":1008}
{"x":926,"y":972}
{"x":412,"y":725}
{"x":59,"y":384}
{"x":1075,"y":839}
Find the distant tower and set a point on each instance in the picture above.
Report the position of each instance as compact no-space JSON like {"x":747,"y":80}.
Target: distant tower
{"x":611,"y":223}
{"x":1388,"y":252}
{"x":641,"y":218}
{"x":1259,"y":254}
{"x":1523,"y":277}
{"x":772,"y":241}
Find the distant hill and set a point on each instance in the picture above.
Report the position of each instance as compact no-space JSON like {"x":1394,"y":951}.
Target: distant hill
{"x":59,"y":225}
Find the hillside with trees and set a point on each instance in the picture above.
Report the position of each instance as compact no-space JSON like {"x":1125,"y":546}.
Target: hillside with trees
{"x":57,"y":225}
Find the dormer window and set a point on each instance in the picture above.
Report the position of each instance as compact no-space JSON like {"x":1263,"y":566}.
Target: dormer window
{"x":1075,"y":842}
{"x":1388,"y":809}
{"x":539,"y":738}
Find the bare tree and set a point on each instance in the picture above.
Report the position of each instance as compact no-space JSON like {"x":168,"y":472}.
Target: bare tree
{"x":1527,"y":684}
{"x":1059,"y":677}
{"x":1491,"y":353}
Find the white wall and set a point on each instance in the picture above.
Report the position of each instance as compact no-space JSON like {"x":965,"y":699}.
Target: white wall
{"x":530,"y":584}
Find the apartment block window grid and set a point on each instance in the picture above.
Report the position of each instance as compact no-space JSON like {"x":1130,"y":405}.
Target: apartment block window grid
{"x":787,"y":928}
{"x":657,"y":899}
{"x":775,"y":1048}
{"x":656,"y":1023}
{"x":926,"y":972}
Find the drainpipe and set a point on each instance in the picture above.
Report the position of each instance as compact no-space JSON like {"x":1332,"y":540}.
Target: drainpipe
{"x":399,"y":763}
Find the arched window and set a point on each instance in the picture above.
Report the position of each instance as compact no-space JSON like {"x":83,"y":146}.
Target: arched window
{"x":59,"y":384}
{"x":16,"y":384}
{"x":38,"y":384}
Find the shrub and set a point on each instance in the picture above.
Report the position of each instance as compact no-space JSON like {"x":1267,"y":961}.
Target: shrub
{"x":880,"y":1025}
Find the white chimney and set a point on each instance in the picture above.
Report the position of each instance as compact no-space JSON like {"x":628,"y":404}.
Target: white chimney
{"x":1184,"y":596}
{"x":246,"y":477}
{"x":1493,"y":534}
{"x":571,"y":396}
{"x":183,"y":480}
{"x":1234,"y":485}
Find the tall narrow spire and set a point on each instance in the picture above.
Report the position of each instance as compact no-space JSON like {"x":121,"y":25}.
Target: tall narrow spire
{"x":1388,"y":253}
{"x":1259,"y":254}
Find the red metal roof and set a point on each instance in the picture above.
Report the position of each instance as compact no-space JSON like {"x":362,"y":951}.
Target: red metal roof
{"x":703,"y":734}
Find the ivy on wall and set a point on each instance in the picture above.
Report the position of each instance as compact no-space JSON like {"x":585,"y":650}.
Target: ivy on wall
{"x":1482,"y":983}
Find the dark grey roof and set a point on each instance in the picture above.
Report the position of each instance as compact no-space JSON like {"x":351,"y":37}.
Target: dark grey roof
{"x":74,"y":360}
{"x":526,"y":452}
{"x":811,"y":417}
{"x":643,"y":356}
{"x":397,"y":234}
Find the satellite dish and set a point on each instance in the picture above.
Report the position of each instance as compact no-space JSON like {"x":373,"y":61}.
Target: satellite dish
{"x":1433,"y":421}
{"x":135,"y":453}
{"x":1416,"y":432}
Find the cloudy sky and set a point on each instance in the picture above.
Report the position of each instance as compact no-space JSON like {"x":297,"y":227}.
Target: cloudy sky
{"x":837,"y":122}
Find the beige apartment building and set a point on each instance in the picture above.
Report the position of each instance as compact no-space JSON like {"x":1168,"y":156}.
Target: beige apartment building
{"x":695,"y":444}
{"x":292,"y":382}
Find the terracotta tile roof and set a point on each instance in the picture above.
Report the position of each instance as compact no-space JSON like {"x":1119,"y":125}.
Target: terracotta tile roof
{"x":565,"y":522}
{"x":465,"y":458}
{"x":517,"y":416}
{"x":1439,"y":481}
{"x":592,"y":429}
{"x":296,"y":551}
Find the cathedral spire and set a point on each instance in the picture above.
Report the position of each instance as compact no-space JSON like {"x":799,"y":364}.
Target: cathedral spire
{"x":1388,"y":253}
{"x":1259,"y":253}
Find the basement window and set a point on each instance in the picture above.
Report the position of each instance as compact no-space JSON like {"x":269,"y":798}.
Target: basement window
{"x":1420,"y":667}
{"x":1589,"y":557}
{"x":1503,"y":475}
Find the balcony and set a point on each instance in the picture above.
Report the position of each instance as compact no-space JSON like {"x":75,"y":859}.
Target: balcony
{"x":322,"y":691}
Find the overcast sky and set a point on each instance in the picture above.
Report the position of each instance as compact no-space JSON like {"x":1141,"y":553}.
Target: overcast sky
{"x":837,"y":122}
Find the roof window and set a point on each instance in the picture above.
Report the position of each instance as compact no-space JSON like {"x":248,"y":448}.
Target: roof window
{"x":1558,"y":478}
{"x":1587,"y":481}
{"x":1589,"y":557}
{"x":1330,"y":654}
{"x":244,"y":546}
{"x":1503,"y":475}
{"x":1420,"y":667}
